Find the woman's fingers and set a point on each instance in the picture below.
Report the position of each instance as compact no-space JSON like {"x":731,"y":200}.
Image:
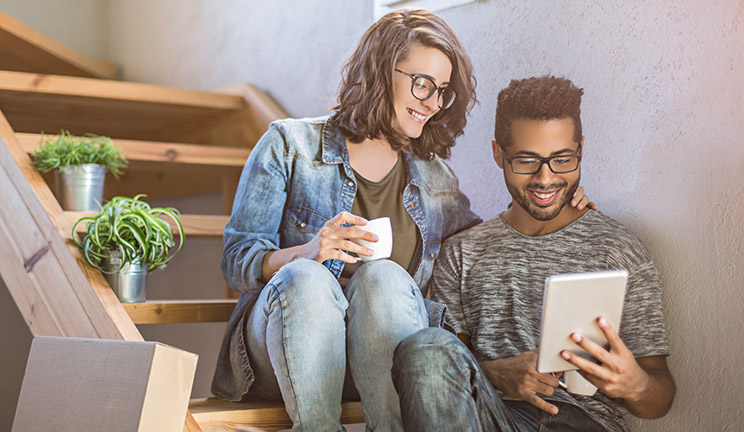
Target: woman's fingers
{"x":356,"y":233}
{"x":346,"y":217}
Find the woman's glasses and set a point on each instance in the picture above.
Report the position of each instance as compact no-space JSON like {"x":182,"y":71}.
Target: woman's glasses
{"x":422,"y":88}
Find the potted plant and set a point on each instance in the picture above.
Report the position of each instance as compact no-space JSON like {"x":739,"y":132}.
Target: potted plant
{"x":80,"y":165}
{"x":128,"y":239}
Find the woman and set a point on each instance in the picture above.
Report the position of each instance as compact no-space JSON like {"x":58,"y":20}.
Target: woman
{"x":308,"y":309}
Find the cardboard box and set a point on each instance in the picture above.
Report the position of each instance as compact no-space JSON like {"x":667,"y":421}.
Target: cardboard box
{"x":104,"y":385}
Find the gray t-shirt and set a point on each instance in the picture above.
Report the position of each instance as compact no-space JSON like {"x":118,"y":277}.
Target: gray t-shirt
{"x":492,"y":277}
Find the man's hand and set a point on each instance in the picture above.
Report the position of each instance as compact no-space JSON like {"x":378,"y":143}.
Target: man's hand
{"x":645,"y":384}
{"x":518,"y":377}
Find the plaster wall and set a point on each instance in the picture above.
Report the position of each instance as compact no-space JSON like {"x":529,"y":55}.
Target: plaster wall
{"x":76,"y":23}
{"x":662,"y":117}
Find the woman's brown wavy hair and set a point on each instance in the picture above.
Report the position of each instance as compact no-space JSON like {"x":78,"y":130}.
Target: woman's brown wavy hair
{"x":365,"y":101}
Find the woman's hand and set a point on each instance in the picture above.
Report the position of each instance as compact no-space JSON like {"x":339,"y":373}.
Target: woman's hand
{"x":329,"y":243}
{"x":580,"y":200}
{"x":333,"y":239}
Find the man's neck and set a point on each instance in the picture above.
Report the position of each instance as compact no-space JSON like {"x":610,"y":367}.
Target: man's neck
{"x":524,"y":223}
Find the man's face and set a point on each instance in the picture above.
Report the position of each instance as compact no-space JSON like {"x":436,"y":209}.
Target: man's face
{"x":543,"y":194}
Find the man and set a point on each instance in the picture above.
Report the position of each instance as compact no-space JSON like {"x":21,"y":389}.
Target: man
{"x":491,"y":277}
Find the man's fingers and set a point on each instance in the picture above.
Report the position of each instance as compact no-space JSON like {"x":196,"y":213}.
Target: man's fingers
{"x":542,"y":404}
{"x":597,"y":351}
{"x":548,"y":379}
{"x":612,"y":337}
{"x":586,"y":365}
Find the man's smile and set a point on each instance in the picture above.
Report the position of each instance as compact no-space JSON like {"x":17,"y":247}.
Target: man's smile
{"x":543,"y":198}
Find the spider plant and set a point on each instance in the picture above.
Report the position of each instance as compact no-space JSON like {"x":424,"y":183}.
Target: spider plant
{"x":129,"y":231}
{"x":66,"y":149}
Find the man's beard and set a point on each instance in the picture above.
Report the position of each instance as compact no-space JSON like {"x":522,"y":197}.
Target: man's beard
{"x":543,"y":213}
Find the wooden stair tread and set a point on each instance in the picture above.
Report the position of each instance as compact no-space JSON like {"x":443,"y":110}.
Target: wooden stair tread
{"x":162,"y":169}
{"x":193,"y":225}
{"x":117,"y":91}
{"x":180,"y":311}
{"x":48,"y":103}
{"x":27,"y":50}
{"x":155,"y":151}
{"x":212,"y":413}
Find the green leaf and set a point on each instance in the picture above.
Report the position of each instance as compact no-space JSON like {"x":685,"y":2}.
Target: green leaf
{"x":134,"y":230}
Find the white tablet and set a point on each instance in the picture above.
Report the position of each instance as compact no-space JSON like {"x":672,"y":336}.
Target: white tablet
{"x":572,"y":303}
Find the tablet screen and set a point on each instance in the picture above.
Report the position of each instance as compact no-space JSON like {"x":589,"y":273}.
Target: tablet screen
{"x":572,"y":303}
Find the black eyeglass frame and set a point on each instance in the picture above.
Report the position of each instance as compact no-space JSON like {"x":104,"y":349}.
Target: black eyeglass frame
{"x":543,"y":161}
{"x":436,"y":89}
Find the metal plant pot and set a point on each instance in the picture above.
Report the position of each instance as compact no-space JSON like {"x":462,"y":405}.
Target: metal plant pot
{"x":129,"y":283}
{"x":80,"y":187}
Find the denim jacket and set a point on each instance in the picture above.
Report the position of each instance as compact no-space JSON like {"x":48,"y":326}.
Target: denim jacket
{"x":297,"y":177}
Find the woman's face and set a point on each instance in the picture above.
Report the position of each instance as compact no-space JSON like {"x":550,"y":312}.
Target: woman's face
{"x":412,"y":114}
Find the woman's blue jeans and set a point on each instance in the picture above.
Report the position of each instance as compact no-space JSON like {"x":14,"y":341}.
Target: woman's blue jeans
{"x":304,"y":328}
{"x":442,"y":388}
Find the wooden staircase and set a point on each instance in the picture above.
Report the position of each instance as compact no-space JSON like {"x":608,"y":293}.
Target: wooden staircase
{"x":178,"y":142}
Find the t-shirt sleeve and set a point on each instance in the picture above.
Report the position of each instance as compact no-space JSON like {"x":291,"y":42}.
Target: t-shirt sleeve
{"x":446,"y":284}
{"x":642,"y":327}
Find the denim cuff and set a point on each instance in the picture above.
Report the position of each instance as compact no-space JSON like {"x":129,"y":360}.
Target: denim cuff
{"x":438,"y":316}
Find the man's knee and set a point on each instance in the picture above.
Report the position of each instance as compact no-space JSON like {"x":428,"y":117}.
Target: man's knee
{"x":425,"y":350}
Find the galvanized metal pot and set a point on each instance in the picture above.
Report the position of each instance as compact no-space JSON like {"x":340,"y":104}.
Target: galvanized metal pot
{"x":80,"y":187}
{"x":129,"y":283}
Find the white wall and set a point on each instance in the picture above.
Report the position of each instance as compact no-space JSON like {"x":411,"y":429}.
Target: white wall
{"x":292,"y":48}
{"x":75,"y":23}
{"x":662,"y":118}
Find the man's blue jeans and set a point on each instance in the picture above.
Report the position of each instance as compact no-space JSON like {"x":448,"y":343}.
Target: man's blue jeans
{"x":442,"y":388}
{"x":304,"y":327}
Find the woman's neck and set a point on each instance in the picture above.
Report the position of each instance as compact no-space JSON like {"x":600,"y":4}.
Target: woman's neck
{"x":372,"y":159}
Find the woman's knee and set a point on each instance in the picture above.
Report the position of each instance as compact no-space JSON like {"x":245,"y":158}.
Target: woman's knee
{"x":308,"y":283}
{"x":381,"y":270}
{"x":382,"y":279}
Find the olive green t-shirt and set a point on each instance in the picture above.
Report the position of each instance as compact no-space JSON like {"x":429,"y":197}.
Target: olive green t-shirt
{"x":385,"y":198}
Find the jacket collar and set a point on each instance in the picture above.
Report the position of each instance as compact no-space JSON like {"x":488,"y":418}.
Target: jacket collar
{"x":334,"y":144}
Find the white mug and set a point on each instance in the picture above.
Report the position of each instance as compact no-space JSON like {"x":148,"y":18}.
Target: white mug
{"x":383,"y":247}
{"x":577,"y":384}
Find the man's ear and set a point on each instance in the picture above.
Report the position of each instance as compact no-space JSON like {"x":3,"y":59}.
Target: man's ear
{"x":497,"y":154}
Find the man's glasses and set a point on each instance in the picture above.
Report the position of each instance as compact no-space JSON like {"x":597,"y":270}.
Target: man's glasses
{"x":422,"y":88}
{"x":560,"y":164}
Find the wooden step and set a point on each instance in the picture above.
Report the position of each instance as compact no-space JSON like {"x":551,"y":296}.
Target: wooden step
{"x":48,"y":103}
{"x":214,"y":414}
{"x":27,"y":50}
{"x":162,"y":152}
{"x":162,"y":169}
{"x":180,"y":311}
{"x":193,"y":225}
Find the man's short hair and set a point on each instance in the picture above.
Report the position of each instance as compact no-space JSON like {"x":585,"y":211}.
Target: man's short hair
{"x":537,"y":98}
